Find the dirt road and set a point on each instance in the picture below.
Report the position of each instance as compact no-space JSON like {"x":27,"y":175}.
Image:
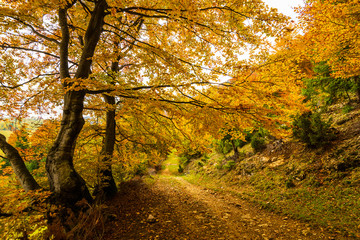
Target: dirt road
{"x":171,"y":208}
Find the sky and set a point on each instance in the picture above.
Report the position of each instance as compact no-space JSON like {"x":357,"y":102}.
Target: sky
{"x":285,"y":6}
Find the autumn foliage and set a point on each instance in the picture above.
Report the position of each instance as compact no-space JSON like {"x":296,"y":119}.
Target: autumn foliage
{"x":136,"y":79}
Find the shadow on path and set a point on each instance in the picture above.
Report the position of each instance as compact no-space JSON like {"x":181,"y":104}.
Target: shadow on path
{"x":170,"y":208}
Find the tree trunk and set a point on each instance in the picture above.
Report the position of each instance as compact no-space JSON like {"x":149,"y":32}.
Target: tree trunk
{"x":106,"y":189}
{"x":357,"y":84}
{"x":236,"y":150}
{"x":69,"y":187}
{"x":27,"y":181}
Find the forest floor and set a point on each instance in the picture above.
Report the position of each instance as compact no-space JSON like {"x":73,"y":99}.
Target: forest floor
{"x":168,"y":207}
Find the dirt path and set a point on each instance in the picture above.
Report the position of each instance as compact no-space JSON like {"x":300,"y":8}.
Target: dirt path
{"x":171,"y":208}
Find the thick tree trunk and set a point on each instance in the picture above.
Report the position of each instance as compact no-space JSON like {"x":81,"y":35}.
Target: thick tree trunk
{"x":22,"y":173}
{"x":106,"y":188}
{"x":65,"y":182}
{"x":68,"y":186}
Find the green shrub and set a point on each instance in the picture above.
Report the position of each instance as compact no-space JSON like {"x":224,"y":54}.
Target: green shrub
{"x":347,"y":108}
{"x":229,"y":165}
{"x":223,"y":146}
{"x":229,"y":142}
{"x":141,"y":168}
{"x":186,"y":156}
{"x":181,"y":169}
{"x":326,"y":88}
{"x":312,"y":130}
{"x":184,"y":160}
{"x":258,"y":142}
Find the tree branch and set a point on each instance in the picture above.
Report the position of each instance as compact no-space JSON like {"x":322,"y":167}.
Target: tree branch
{"x":35,"y":31}
{"x":64,"y":44}
{"x":22,"y":173}
{"x":29,"y":81}
{"x":5,"y":46}
{"x":100,"y":91}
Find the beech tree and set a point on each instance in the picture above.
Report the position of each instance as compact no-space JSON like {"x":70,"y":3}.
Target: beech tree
{"x":158,"y":60}
{"x":332,"y":35}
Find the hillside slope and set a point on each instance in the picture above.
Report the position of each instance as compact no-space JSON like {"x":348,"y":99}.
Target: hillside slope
{"x":319,"y":186}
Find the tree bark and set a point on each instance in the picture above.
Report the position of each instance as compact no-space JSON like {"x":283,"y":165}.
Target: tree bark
{"x":106,"y":189}
{"x":69,"y":187}
{"x":236,"y":150}
{"x":27,"y":181}
{"x":357,"y":84}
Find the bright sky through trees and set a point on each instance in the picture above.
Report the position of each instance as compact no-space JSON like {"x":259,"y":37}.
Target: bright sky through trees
{"x":285,"y":6}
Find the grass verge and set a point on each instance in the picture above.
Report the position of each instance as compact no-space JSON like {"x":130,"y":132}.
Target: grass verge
{"x":171,"y":164}
{"x":336,"y":208}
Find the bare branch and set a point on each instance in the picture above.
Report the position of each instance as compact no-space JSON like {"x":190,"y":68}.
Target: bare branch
{"x":100,"y":91}
{"x":29,"y":81}
{"x":35,"y":31}
{"x":5,"y":46}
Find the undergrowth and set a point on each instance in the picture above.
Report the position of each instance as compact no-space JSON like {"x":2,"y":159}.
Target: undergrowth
{"x":308,"y":190}
{"x":334,"y":207}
